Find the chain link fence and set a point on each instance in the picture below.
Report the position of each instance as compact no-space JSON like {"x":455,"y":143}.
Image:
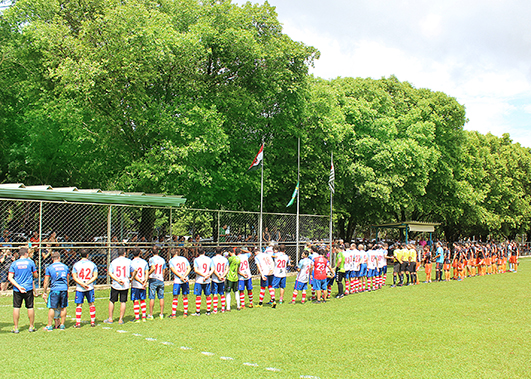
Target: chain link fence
{"x":106,"y":229}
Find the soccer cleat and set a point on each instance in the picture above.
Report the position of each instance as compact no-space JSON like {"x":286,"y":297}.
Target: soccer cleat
{"x":274,"y":305}
{"x":196,"y":314}
{"x":161,"y":316}
{"x":92,"y":324}
{"x":15,"y":331}
{"x":281,"y":301}
{"x":143,"y":319}
{"x":48,"y":328}
{"x":207,"y":313}
{"x":150,"y":317}
{"x":62,"y":327}
{"x":185,"y":315}
{"x":32,"y":329}
{"x":340,"y":296}
{"x":77,"y":326}
{"x":260,"y":305}
{"x":291,"y":302}
{"x":173,"y":317}
{"x":136,"y":320}
{"x":250,"y":305}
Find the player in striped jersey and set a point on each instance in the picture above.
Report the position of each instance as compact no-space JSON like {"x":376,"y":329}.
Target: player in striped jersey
{"x":84,"y":273}
{"x":138,"y":285}
{"x":245,"y":280}
{"x":180,"y":267}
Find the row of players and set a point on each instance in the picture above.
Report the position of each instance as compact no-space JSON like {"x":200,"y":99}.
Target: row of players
{"x":227,"y":272}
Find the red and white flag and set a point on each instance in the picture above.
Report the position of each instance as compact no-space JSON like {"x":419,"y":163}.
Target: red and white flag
{"x":258,"y":159}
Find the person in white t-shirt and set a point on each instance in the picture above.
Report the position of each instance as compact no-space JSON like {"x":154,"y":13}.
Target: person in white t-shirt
{"x":204,"y":269}
{"x":245,"y":279}
{"x":84,"y":273}
{"x":138,"y":285}
{"x":266,"y":265}
{"x":301,"y":283}
{"x":120,"y":272}
{"x":180,"y":267}
{"x":221,"y":267}
{"x":280,"y":271}
{"x":157,"y":269}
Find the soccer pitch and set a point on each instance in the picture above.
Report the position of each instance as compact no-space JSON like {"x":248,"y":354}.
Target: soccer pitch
{"x":477,"y":328}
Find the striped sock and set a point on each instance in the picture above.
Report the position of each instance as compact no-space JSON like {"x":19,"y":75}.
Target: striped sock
{"x":209,"y":303}
{"x":353,"y":286}
{"x":215,"y":303}
{"x":143,"y":308}
{"x":174,"y":305}
{"x":222,"y":303}
{"x":92,"y":310}
{"x":313,"y":293}
{"x":272,"y":293}
{"x":329,"y":293}
{"x":250,"y":294}
{"x":78,"y":314}
{"x":185,"y":305}
{"x":262,"y":294}
{"x":242,"y":299}
{"x":197,"y":304}
{"x":294,"y":297}
{"x":136,"y":308}
{"x":303,"y":297}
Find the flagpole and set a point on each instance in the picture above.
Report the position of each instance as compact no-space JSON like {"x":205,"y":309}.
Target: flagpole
{"x":331,"y":201}
{"x":261,"y":199}
{"x":299,"y":190}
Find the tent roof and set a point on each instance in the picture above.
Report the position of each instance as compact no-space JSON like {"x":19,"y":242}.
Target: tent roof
{"x":412,"y":226}
{"x":18,"y":191}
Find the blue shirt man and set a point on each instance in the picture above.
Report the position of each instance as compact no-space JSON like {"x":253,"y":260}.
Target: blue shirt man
{"x":21,"y":274}
{"x":56,"y":277}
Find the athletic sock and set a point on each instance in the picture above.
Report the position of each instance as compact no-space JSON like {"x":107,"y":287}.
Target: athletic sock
{"x":136,"y":308}
{"x":353,"y":285}
{"x":237,"y":296}
{"x":384,"y":280}
{"x":174,"y":305}
{"x":294,"y":297}
{"x":272,"y":293}
{"x":242,"y":299}
{"x":303,"y":297}
{"x":313,"y":293}
{"x":340,"y":288}
{"x":222,"y":302}
{"x":394,"y":280}
{"x":227,"y":299}
{"x":262,"y":294}
{"x":329,"y":292}
{"x":143,"y":308}
{"x":78,"y":314}
{"x":250,"y":294}
{"x":185,"y":305}
{"x":197,"y":304}
{"x":209,"y":303}
{"x":215,"y":303}
{"x":92,"y":314}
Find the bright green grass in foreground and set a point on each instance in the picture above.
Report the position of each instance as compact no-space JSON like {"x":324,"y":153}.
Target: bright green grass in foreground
{"x":477,"y":328}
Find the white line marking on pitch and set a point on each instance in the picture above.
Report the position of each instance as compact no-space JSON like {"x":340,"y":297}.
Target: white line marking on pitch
{"x":226,"y":358}
{"x":167,"y":343}
{"x":272,"y":369}
{"x":106,"y":328}
{"x":137,"y":335}
{"x":121,"y":331}
{"x":185,"y":348}
{"x":207,"y":353}
{"x":309,"y":377}
{"x":250,"y":364}
{"x":151,"y":339}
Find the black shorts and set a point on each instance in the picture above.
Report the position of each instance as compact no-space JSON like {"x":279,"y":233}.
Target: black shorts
{"x":412,"y":266}
{"x":403,"y":266}
{"x":231,"y":286}
{"x":340,"y":276}
{"x":27,"y":297}
{"x":115,"y":293}
{"x":396,"y":268}
{"x":438,"y":266}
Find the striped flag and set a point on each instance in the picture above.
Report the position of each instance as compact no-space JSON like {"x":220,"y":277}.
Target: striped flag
{"x":332,"y":178}
{"x":258,"y":159}
{"x":294,"y":196}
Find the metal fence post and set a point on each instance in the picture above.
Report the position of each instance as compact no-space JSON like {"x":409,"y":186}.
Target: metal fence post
{"x":109,"y":241}
{"x":217,"y":239}
{"x":171,"y":232}
{"x":40,"y":242}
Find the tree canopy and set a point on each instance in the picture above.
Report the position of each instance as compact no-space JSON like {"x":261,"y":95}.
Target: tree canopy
{"x":176,"y":96}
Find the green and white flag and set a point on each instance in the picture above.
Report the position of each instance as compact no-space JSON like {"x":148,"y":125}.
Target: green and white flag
{"x":294,"y":196}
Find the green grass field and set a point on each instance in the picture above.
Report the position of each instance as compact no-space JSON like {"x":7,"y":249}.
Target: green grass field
{"x":477,"y":328}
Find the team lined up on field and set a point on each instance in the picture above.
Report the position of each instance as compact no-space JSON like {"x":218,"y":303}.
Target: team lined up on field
{"x":228,"y":272}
